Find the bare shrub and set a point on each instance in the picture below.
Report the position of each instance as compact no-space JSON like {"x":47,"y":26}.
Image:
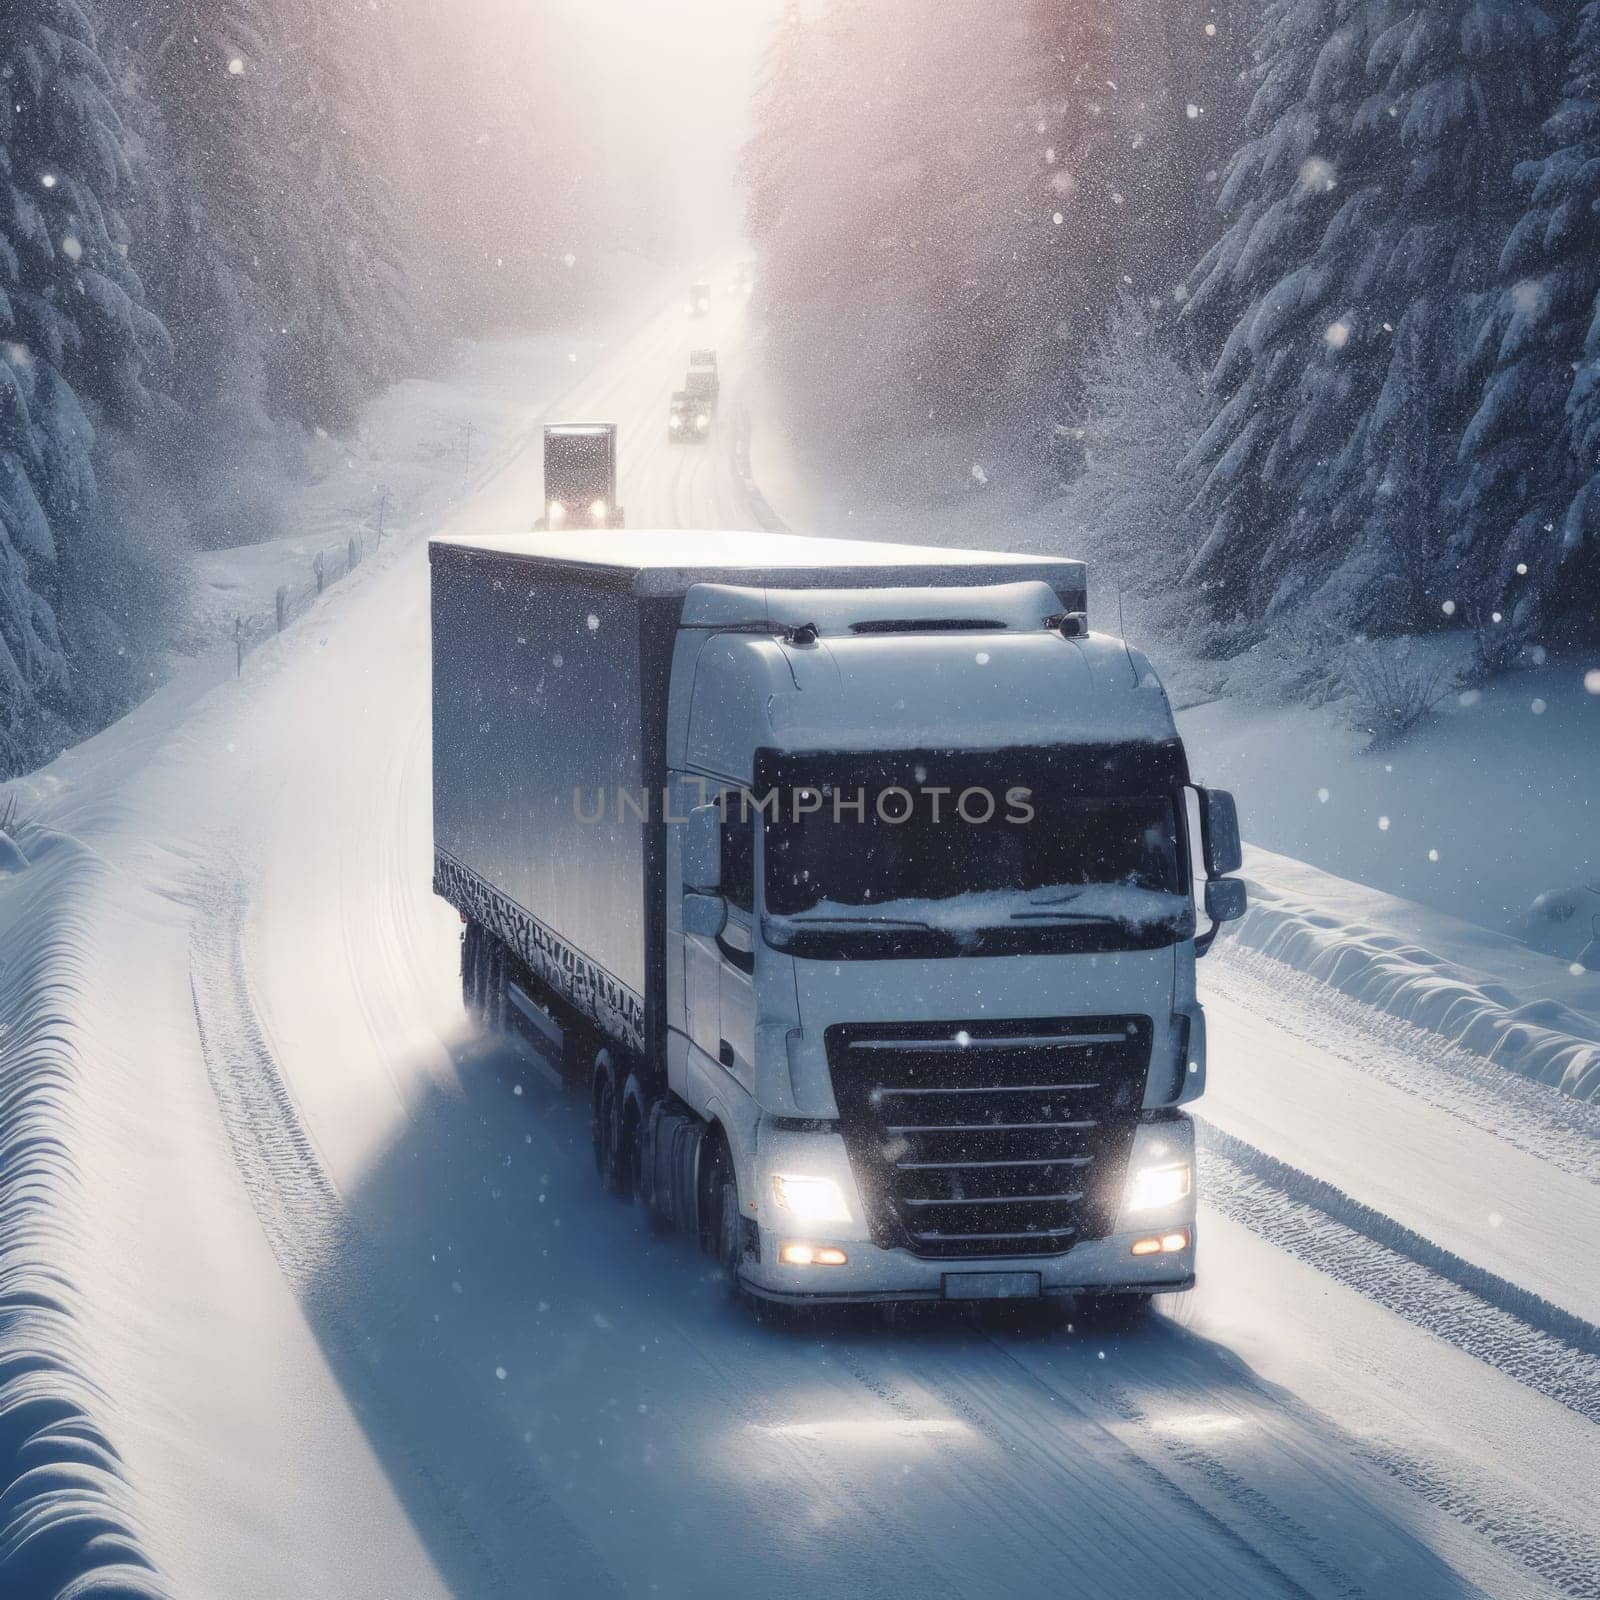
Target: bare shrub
{"x":1391,"y":688}
{"x":1498,"y":643}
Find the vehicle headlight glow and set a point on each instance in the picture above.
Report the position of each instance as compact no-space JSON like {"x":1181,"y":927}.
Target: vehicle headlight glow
{"x":702,"y":422}
{"x":814,"y":1199}
{"x":557,"y":511}
{"x":598,"y":510}
{"x":1155,"y":1188}
{"x":674,"y":422}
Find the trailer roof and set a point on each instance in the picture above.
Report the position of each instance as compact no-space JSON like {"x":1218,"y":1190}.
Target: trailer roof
{"x":672,"y":560}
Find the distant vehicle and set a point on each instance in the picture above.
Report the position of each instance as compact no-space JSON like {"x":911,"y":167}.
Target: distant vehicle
{"x":705,"y":360}
{"x":699,"y":298}
{"x":744,"y":277}
{"x":850,"y":885}
{"x":700,"y":383}
{"x":580,"y":476}
{"x":688,"y":422}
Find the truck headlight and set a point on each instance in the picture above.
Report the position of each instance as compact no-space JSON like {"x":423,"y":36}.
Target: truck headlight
{"x":811,"y":1199}
{"x":702,"y":422}
{"x":674,"y":422}
{"x":1158,"y":1186}
{"x":558,"y":512}
{"x":598,"y":510}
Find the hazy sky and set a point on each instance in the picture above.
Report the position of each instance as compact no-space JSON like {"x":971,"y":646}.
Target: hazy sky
{"x":680,"y":75}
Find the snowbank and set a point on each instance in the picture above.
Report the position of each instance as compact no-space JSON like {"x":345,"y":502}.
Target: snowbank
{"x":1534,"y":1015}
{"x":66,"y":1515}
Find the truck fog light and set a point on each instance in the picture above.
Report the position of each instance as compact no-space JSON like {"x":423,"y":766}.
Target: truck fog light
{"x":1155,"y":1188}
{"x":1147,"y":1247}
{"x":812,"y":1255}
{"x":815,"y":1199}
{"x":1178,"y":1240}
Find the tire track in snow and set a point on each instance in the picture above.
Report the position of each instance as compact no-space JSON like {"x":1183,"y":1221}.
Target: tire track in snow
{"x":1533,"y":1117}
{"x":1551,"y":1546}
{"x":1160,"y":1486}
{"x":1541,"y":1346}
{"x":68,"y":1521}
{"x":357,"y":1312}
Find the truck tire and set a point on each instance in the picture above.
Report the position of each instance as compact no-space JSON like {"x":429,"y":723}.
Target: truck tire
{"x":605,"y":1128}
{"x":471,"y":995}
{"x":721,"y":1220}
{"x":494,"y":989}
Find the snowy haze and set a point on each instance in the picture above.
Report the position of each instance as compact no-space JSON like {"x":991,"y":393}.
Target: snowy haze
{"x":676,"y":80}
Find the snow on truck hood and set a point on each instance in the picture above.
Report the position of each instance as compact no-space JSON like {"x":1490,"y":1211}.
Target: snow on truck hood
{"x":980,"y":690}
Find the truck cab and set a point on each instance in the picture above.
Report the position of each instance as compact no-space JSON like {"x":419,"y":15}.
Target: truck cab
{"x":688,"y":420}
{"x":937,"y":938}
{"x":580,"y":476}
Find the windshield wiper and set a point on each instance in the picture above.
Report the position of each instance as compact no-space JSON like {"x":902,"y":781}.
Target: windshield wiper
{"x":1059,"y":913}
{"x":855,"y":922}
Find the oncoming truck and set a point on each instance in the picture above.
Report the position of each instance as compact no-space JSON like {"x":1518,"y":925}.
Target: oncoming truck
{"x":580,"y":476}
{"x":852,"y":887}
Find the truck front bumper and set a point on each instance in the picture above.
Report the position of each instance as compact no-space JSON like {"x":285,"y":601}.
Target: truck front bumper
{"x":1094,"y":1266}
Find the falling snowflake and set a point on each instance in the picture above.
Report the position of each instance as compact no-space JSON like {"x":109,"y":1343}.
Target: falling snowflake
{"x":1337,"y":335}
{"x":1383,"y":824}
{"x":1591,"y":680}
{"x":236,"y":68}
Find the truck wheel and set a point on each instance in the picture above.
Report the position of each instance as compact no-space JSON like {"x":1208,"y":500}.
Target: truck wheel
{"x":471,"y":945}
{"x":605,"y":1128}
{"x":721,"y":1221}
{"x":494,"y":988}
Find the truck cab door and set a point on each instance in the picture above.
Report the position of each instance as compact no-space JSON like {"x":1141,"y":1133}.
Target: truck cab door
{"x":736,"y":948}
{"x":702,"y":964}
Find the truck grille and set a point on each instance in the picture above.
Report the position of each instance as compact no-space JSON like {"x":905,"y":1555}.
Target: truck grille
{"x":989,"y":1138}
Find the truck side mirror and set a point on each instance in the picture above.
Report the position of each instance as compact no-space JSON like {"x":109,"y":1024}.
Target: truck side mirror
{"x":702,"y":851}
{"x":705,"y":915}
{"x":1219,"y":832}
{"x":1225,"y":899}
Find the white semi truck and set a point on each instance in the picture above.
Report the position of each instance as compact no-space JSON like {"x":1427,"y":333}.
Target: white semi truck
{"x":852,"y":885}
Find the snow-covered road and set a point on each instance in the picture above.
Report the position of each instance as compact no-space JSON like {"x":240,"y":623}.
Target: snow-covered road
{"x":370,"y":1328}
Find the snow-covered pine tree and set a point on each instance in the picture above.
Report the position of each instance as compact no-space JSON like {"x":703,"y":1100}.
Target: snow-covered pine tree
{"x":201,"y":91}
{"x":1365,"y":213}
{"x":1532,"y":451}
{"x":76,"y":344}
{"x":353,"y":322}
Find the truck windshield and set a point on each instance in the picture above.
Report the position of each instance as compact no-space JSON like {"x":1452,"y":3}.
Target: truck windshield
{"x":577,"y":466}
{"x":1077,"y":848}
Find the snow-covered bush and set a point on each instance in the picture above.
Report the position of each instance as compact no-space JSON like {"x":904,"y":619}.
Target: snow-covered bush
{"x":1392,"y":687}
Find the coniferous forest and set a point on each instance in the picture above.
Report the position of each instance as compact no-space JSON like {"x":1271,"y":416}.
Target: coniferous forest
{"x":224,"y":224}
{"x":1296,"y":298}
